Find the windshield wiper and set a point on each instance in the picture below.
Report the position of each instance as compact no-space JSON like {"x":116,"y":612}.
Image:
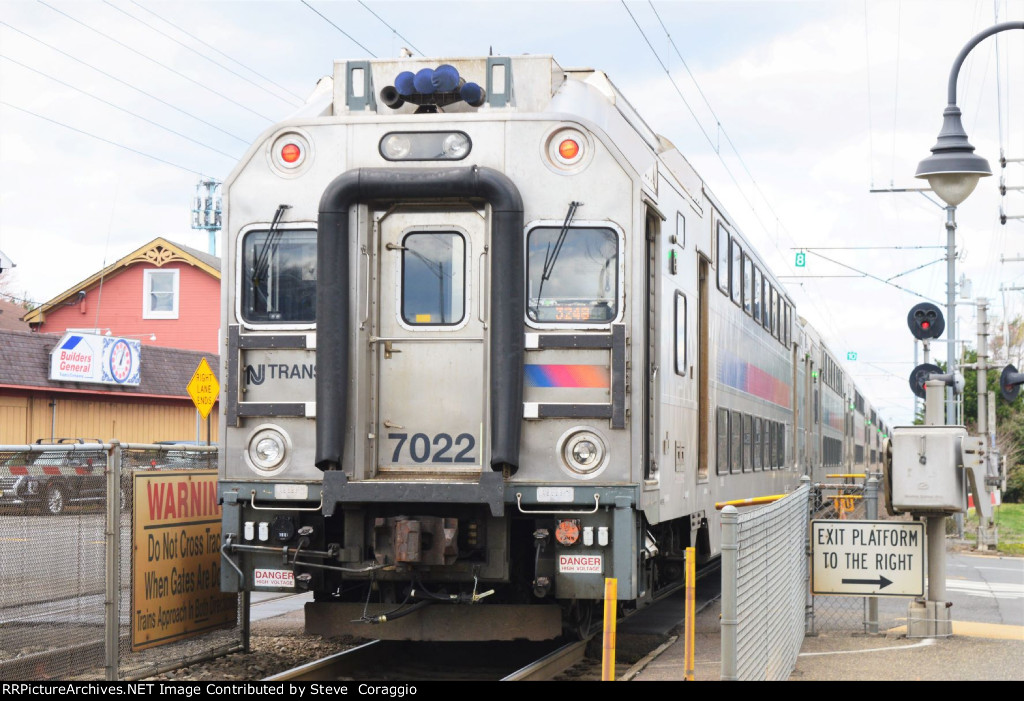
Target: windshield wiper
{"x":263,"y":257}
{"x":551,"y":256}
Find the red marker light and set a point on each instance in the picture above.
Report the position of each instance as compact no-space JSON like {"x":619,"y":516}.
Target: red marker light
{"x":568,"y":149}
{"x":290,"y":153}
{"x":925,"y":325}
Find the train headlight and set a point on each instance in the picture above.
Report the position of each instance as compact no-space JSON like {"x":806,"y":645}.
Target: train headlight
{"x":395,"y":147}
{"x":425,"y":146}
{"x":583,"y":453}
{"x":455,"y":146}
{"x":268,"y":450}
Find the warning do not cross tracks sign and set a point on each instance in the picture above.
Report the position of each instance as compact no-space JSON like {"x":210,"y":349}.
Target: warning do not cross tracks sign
{"x":867,"y":558}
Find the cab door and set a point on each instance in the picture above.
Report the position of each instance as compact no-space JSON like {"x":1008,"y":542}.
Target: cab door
{"x":431,"y":348}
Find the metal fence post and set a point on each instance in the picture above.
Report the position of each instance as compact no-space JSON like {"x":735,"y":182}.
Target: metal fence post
{"x":112,"y":535}
{"x":871,"y":508}
{"x":812,"y":497}
{"x":730,"y":556}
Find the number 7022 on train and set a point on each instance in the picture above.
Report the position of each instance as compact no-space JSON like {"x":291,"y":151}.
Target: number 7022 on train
{"x":490,"y":340}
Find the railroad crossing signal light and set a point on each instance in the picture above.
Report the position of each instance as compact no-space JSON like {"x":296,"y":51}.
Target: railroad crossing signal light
{"x":1009,"y":383}
{"x":919,"y":375}
{"x":925,"y":321}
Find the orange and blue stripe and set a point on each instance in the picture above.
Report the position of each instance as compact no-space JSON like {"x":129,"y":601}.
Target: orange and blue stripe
{"x":572,"y":376}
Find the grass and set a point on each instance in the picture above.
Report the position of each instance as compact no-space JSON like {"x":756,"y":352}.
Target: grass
{"x":1009,"y":518}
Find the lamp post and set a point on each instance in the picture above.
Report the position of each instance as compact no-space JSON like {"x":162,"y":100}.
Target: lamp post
{"x":953,"y":171}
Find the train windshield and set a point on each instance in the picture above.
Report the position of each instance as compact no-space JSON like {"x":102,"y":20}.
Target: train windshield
{"x":279,"y":276}
{"x":572,"y":275}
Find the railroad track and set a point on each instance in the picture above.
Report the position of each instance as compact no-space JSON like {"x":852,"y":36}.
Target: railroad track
{"x":502,"y":661}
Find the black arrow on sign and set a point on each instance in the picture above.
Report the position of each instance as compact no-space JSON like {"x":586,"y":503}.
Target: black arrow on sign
{"x":882,"y":582}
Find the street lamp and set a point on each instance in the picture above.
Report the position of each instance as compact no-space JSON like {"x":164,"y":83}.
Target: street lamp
{"x":953,"y":171}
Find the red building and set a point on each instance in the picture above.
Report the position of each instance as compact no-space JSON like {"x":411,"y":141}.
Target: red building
{"x":164,"y":294}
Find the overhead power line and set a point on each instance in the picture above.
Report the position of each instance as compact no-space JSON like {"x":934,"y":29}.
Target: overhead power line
{"x":351,"y":38}
{"x":201,"y":55}
{"x":122,"y":109}
{"x":124,"y":83}
{"x":151,"y":60}
{"x":214,"y":48}
{"x":100,"y":138}
{"x":397,"y":33}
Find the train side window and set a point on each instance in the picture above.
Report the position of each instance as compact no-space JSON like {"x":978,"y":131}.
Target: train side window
{"x":736,"y":274}
{"x":748,"y":284}
{"x":748,"y":454}
{"x":433,"y":278}
{"x":766,"y":289}
{"x":278,"y":276}
{"x":757,"y":443}
{"x":757,"y":294}
{"x":680,"y":333}
{"x":736,"y":439}
{"x":572,"y":278}
{"x":723,"y":259}
{"x":680,"y":230}
{"x":722,"y":457}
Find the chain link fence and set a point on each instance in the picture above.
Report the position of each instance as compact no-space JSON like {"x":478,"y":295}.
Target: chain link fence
{"x":851,"y":498}
{"x":764,"y":585}
{"x":67,"y":607}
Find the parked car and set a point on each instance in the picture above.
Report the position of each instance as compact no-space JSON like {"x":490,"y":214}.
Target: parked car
{"x":51,"y":480}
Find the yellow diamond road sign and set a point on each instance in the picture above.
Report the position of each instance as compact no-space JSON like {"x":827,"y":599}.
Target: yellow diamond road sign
{"x":204,"y":388}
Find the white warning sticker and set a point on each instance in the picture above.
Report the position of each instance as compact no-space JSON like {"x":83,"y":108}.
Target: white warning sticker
{"x":568,"y":564}
{"x":273,"y":578}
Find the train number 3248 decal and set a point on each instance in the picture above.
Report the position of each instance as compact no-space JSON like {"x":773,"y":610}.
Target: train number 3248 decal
{"x":440,"y":448}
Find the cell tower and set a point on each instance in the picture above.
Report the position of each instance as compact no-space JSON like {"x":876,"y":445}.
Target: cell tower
{"x":206,"y":212}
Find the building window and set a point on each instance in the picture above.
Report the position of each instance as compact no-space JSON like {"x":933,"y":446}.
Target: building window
{"x":160,"y":294}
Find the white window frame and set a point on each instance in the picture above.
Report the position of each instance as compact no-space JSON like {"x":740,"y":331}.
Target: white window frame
{"x":147,"y":288}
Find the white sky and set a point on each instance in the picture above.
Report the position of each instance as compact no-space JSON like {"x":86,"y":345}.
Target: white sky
{"x":822,"y":100}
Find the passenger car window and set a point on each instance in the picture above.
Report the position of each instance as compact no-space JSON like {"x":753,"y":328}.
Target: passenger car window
{"x":572,"y":278}
{"x":680,"y":334}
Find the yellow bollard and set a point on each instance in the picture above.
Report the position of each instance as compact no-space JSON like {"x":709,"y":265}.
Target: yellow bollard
{"x":690,"y":623}
{"x":611,"y":597}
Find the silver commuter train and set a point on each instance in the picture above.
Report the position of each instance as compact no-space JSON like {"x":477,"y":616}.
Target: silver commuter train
{"x":491,"y":346}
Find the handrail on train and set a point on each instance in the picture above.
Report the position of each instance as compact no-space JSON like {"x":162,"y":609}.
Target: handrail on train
{"x":752,"y":501}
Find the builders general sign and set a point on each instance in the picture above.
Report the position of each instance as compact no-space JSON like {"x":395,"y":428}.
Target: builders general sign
{"x":84,"y":357}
